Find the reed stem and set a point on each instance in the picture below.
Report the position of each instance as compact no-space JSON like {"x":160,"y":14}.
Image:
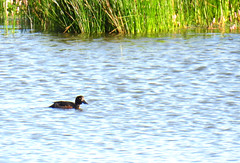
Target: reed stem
{"x":125,"y":16}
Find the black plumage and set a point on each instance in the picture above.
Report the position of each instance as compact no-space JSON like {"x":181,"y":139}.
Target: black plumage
{"x":69,"y":105}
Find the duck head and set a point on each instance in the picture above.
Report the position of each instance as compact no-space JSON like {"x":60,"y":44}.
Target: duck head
{"x":80,"y":100}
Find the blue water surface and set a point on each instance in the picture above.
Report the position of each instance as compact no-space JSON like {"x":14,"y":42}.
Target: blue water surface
{"x":172,"y":98}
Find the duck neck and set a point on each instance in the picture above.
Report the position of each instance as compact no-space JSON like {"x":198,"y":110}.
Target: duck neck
{"x":77,"y":106}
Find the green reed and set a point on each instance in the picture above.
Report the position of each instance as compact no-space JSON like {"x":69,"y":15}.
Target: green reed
{"x":130,"y":16}
{"x":11,"y":14}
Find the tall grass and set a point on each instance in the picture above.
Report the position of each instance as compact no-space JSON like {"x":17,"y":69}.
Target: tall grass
{"x":12,"y":14}
{"x":130,"y":16}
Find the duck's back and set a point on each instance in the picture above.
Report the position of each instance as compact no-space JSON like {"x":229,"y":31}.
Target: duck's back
{"x":63,"y":105}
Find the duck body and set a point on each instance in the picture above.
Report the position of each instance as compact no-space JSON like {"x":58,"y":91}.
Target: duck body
{"x":63,"y":105}
{"x":69,"y":105}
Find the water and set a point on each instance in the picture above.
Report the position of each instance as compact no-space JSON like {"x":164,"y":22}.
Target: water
{"x":162,"y":99}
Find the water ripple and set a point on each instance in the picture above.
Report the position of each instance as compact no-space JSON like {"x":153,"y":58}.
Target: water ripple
{"x":149,"y":100}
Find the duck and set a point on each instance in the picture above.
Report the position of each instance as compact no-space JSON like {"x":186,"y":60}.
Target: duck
{"x":69,"y":105}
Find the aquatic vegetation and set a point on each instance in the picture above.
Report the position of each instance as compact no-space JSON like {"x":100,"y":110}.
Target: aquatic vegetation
{"x":12,"y":14}
{"x":130,"y":16}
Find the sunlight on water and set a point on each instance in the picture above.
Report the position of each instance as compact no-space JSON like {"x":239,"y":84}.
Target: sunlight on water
{"x":165,"y":99}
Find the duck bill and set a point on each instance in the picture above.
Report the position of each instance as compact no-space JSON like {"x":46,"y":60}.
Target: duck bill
{"x":84,"y":102}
